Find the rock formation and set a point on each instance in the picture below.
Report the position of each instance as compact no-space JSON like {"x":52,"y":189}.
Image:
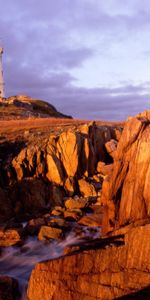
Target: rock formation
{"x":100,"y":274}
{"x":128,"y":185}
{"x":117,"y":266}
{"x":96,"y":176}
{"x":40,"y":174}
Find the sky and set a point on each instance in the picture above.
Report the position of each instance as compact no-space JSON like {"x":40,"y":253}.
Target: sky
{"x":89,"y":58}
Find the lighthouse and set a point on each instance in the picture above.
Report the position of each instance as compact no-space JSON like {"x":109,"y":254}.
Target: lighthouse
{"x":2,"y":93}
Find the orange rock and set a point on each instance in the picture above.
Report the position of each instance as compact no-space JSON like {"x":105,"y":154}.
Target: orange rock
{"x":10,"y":237}
{"x":93,"y":220}
{"x":47,"y":232}
{"x":70,"y":186}
{"x":111,"y":147}
{"x":68,"y":146}
{"x":86,"y":189}
{"x":104,"y":169}
{"x":108,"y":272}
{"x":55,"y":172}
{"x":76,"y":203}
{"x":128,"y":186}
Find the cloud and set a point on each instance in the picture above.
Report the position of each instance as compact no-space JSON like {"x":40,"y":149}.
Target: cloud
{"x":46,"y":42}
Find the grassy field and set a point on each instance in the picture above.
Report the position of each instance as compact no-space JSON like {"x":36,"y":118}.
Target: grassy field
{"x":12,"y":129}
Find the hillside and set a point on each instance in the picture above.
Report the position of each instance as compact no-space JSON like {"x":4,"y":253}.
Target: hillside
{"x":22,"y":107}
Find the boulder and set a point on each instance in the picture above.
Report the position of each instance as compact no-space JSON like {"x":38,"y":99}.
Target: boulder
{"x":55,"y":170}
{"x":10,"y":237}
{"x":70,"y":186}
{"x":76,"y":203}
{"x":111,"y":147}
{"x":34,"y":225}
{"x":58,"y":211}
{"x":68,"y":146}
{"x":104,"y":169}
{"x":47,"y":232}
{"x":93,"y":220}
{"x":71,"y":215}
{"x":86,"y":189}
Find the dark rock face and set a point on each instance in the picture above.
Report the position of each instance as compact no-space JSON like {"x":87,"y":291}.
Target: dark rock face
{"x":101,"y":274}
{"x":8,"y":288}
{"x":34,"y":176}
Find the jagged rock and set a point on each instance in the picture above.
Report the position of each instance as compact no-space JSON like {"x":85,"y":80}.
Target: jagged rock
{"x":94,"y":220}
{"x":18,"y":163}
{"x":55,"y":171}
{"x":101,"y":274}
{"x":71,"y":215}
{"x":111,"y":147}
{"x":76,"y":203}
{"x":68,"y":146}
{"x":88,"y":158}
{"x":58,"y":211}
{"x":10,"y":237}
{"x":47,"y":232}
{"x":70,"y":186}
{"x":57,"y":223}
{"x":34,"y":225}
{"x":9,"y":288}
{"x":99,"y":135}
{"x":86,"y":189}
{"x":104,"y":169}
{"x":129,"y":184}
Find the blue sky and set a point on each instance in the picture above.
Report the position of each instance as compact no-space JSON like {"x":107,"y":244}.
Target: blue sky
{"x":90,"y":58}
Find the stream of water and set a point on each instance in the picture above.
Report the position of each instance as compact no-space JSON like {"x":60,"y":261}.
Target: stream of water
{"x":18,"y":262}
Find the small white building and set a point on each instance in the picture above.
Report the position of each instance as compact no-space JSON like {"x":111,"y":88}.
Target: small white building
{"x":2,"y":90}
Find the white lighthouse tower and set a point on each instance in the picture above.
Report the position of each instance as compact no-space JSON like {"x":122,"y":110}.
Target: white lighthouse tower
{"x":2,"y":93}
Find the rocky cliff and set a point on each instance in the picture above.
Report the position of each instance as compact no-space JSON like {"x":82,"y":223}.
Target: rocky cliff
{"x":98,"y":177}
{"x":41,"y":172}
{"x":22,"y":107}
{"x":117,"y":266}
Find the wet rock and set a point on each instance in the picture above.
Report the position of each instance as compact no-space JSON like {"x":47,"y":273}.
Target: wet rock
{"x":94,"y":220}
{"x":86,"y":189}
{"x":58,"y":211}
{"x":10,"y":237}
{"x":71,"y":215}
{"x":34,"y":225}
{"x":47,"y":232}
{"x":57,"y":223}
{"x":9,"y":289}
{"x":111,"y":271}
